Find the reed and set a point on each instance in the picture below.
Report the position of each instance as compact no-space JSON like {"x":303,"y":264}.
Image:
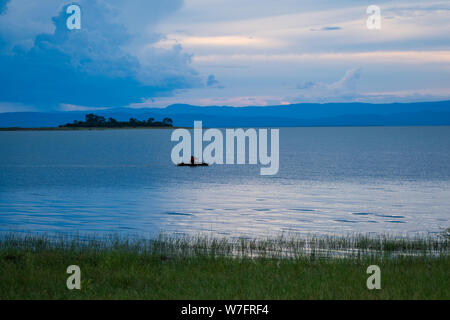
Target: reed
{"x":205,"y":267}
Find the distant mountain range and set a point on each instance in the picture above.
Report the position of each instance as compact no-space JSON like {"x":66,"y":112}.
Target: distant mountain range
{"x":304,"y":114}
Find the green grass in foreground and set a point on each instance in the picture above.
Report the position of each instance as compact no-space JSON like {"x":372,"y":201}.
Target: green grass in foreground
{"x":34,"y":267}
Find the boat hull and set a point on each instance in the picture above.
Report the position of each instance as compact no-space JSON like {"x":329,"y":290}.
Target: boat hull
{"x":192,"y":164}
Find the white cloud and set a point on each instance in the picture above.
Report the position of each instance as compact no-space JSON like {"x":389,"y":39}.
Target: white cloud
{"x":217,"y":41}
{"x":15,"y":107}
{"x":72,"y":107}
{"x":266,"y":43}
{"x":236,"y":101}
{"x":402,"y":57}
{"x":106,"y":62}
{"x":339,"y":91}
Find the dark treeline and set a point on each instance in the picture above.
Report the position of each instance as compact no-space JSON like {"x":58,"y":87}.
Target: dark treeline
{"x":95,"y":121}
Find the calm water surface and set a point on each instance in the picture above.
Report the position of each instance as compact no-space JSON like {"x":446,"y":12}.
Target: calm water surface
{"x":331,"y":181}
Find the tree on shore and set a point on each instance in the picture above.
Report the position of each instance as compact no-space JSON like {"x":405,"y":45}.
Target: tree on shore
{"x":168,"y":122}
{"x":95,"y":121}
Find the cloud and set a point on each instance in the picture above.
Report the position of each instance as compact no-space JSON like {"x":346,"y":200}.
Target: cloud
{"x":422,"y":95}
{"x":398,"y":57}
{"x":104,"y":64}
{"x":345,"y":90}
{"x":15,"y":107}
{"x":305,"y":85}
{"x":225,"y":41}
{"x":3,"y":5}
{"x":236,"y":101}
{"x":213,"y":83}
{"x":339,"y":91}
{"x":71,"y":107}
{"x":327,"y":28}
{"x":331,"y":28}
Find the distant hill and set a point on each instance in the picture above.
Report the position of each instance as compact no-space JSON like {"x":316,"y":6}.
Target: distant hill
{"x":305,"y":114}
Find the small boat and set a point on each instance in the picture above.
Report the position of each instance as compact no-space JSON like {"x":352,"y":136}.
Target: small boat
{"x":203,"y":164}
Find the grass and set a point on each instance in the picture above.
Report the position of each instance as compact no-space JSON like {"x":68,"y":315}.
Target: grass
{"x":34,"y":267}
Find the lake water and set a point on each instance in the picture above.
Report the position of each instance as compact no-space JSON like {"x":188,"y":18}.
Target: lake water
{"x":331,"y":181}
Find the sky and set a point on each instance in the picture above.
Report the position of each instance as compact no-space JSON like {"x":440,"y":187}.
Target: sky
{"x":142,"y":53}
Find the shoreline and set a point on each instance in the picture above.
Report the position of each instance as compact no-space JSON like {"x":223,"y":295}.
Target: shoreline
{"x":166,"y":268}
{"x":83,"y":129}
{"x":243,"y":127}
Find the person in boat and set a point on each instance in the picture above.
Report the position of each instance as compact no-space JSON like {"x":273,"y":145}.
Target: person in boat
{"x":192,"y":160}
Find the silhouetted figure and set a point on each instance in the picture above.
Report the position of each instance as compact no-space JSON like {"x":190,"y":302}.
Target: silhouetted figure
{"x":192,"y":160}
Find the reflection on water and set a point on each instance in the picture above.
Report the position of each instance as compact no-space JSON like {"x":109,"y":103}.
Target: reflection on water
{"x":331,"y":180}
